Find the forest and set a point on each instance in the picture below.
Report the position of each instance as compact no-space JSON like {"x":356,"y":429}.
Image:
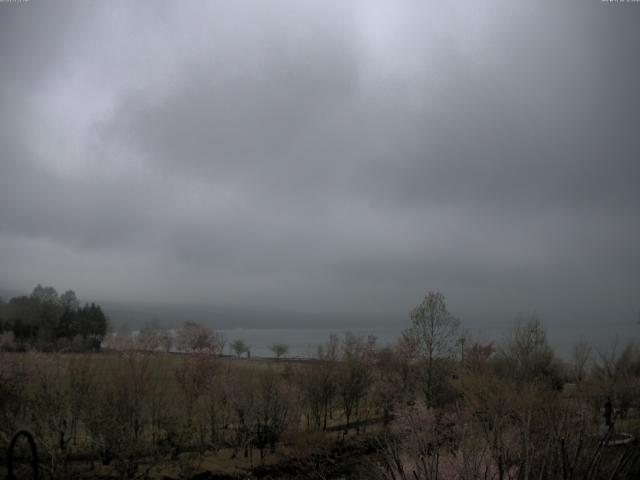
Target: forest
{"x":434,"y":405}
{"x":46,"y":321}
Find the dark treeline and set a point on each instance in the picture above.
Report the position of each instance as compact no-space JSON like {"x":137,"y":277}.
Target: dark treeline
{"x":47,"y":321}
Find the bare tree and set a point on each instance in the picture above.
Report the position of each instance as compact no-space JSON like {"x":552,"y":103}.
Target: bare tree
{"x":355,"y":375}
{"x":318,"y":383}
{"x":416,"y":446}
{"x":240,"y":347}
{"x":149,"y":336}
{"x":49,"y":405}
{"x":279,"y":350}
{"x":271,"y":412}
{"x":116,"y":420}
{"x":13,"y":381}
{"x":580,"y":358}
{"x":82,"y":379}
{"x":197,"y":338}
{"x":330,"y":350}
{"x":527,"y":355}
{"x":435,"y":332}
{"x":194,"y":376}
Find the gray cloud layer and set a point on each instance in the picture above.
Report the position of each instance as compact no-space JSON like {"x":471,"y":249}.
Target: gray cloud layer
{"x":325,"y":156}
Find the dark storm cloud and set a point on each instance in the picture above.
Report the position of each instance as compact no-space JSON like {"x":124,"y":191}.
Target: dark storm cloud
{"x":324,"y":156}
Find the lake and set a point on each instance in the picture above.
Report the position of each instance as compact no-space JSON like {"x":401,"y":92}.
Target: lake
{"x":304,"y":342}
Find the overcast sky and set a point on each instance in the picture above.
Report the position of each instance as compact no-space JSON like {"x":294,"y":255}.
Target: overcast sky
{"x":325,"y":156}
